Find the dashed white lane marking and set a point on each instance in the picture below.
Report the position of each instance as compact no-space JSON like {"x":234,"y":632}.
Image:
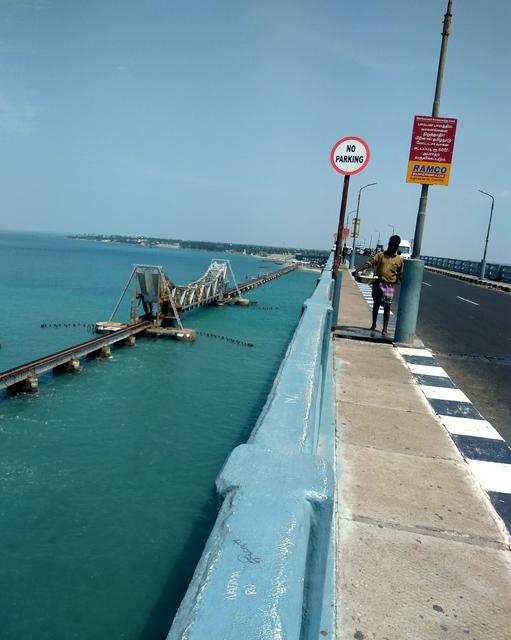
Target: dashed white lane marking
{"x":410,"y":351}
{"x":471,"y":301}
{"x":427,"y":284}
{"x":470,"y":427}
{"x":494,"y":476}
{"x":427,"y":370}
{"x":444,"y":393}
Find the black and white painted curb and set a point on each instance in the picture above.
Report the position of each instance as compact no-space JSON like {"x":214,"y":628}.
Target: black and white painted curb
{"x":484,"y":449}
{"x":367,"y":290}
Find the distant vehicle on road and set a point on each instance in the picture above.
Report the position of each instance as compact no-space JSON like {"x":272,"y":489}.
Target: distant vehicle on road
{"x":405,"y":249}
{"x":368,"y":251}
{"x":379,"y":247}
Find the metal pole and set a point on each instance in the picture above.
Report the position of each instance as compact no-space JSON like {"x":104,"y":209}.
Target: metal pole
{"x":421,"y":215}
{"x":122,"y":294}
{"x":378,"y":241}
{"x":356,"y":225}
{"x":347,"y":225}
{"x":412,"y":273}
{"x":340,"y":228}
{"x":483,"y":263}
{"x":392,"y":226}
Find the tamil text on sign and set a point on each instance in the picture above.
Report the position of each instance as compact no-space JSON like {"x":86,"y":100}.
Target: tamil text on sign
{"x":431,"y":150}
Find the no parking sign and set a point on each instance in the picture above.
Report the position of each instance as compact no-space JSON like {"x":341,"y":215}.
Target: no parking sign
{"x":349,"y":155}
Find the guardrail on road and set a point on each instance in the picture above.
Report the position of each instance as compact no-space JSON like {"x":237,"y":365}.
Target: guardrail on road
{"x":263,"y":572}
{"x":497,"y":272}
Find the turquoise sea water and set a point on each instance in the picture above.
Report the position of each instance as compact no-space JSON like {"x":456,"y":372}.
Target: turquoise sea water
{"x":107,"y":476}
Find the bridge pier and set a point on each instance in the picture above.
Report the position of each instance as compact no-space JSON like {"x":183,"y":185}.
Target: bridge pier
{"x":72,"y":366}
{"x":106,"y":351}
{"x":29,"y":385}
{"x":130,"y":341}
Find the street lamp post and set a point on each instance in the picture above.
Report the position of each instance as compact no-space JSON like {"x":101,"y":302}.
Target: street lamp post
{"x":378,"y":241}
{"x":483,"y":263}
{"x":392,"y":226}
{"x":352,"y":257}
{"x":347,"y":226}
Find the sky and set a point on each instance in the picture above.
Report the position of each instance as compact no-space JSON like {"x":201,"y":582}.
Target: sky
{"x":206,"y":120}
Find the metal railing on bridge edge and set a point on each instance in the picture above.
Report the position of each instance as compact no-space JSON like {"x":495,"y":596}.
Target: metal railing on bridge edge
{"x":267,"y":568}
{"x":497,"y":272}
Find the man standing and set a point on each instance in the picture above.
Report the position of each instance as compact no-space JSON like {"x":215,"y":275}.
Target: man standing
{"x":388,"y":268}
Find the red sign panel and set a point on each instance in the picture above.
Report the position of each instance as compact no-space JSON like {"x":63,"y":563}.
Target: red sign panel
{"x":431,"y":150}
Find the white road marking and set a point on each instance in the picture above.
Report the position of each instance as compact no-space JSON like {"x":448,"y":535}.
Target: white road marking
{"x":427,"y":284}
{"x":494,"y":476}
{"x":427,"y":370}
{"x":470,"y":427}
{"x":471,"y":302}
{"x":410,"y":351}
{"x":444,"y":393}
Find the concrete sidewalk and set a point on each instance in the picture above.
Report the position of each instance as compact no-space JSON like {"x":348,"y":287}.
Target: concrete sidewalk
{"x":420,"y":551}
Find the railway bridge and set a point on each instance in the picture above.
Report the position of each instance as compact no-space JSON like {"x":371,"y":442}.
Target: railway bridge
{"x":157,"y":306}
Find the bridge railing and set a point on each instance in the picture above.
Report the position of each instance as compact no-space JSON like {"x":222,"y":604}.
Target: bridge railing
{"x":497,"y":272}
{"x":263,"y":570}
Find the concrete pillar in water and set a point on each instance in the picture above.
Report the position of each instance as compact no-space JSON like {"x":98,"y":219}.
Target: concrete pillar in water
{"x":31,"y":384}
{"x":73,"y":365}
{"x":130,"y":341}
{"x":105,"y":352}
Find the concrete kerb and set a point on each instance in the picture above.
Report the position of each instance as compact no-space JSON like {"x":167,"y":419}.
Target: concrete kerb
{"x":263,"y":570}
{"x":492,"y":284}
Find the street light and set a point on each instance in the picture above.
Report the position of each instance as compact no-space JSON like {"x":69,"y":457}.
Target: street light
{"x":391,"y":225}
{"x":378,"y":241}
{"x":352,"y":257}
{"x":347,"y":226}
{"x":483,"y":263}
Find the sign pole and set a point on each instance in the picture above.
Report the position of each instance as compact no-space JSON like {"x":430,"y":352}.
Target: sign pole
{"x":413,"y":269}
{"x":421,"y":215}
{"x":340,"y":229}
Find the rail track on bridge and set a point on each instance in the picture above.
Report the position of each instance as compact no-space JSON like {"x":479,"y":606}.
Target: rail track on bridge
{"x":152,"y":288}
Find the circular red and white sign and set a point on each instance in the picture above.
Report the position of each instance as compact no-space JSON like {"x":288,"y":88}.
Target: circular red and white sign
{"x":349,"y":155}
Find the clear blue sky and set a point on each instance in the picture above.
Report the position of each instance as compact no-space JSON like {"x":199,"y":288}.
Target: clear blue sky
{"x":214,"y":120}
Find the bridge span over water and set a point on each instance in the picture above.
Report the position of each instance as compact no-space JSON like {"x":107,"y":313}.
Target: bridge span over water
{"x":155,"y":297}
{"x":157,"y":306}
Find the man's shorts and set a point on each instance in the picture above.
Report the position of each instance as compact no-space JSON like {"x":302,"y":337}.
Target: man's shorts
{"x":383,"y":293}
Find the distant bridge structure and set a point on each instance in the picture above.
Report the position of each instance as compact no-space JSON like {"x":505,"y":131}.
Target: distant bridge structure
{"x":158,"y":299}
{"x":157,"y":305}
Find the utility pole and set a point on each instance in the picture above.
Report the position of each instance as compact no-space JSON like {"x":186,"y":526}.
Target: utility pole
{"x":347,"y":226}
{"x":483,"y":263}
{"x":414,"y":268}
{"x":356,"y":226}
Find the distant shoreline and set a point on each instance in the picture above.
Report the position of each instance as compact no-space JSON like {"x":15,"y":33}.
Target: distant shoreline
{"x":275,"y":254}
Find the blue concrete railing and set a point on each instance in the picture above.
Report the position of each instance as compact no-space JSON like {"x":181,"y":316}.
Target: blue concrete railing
{"x":498,"y":272}
{"x":266,"y":568}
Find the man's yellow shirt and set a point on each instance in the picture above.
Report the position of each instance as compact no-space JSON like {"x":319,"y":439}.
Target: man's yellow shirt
{"x":387,"y":268}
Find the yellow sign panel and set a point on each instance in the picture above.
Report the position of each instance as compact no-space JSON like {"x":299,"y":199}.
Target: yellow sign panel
{"x":428,"y":172}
